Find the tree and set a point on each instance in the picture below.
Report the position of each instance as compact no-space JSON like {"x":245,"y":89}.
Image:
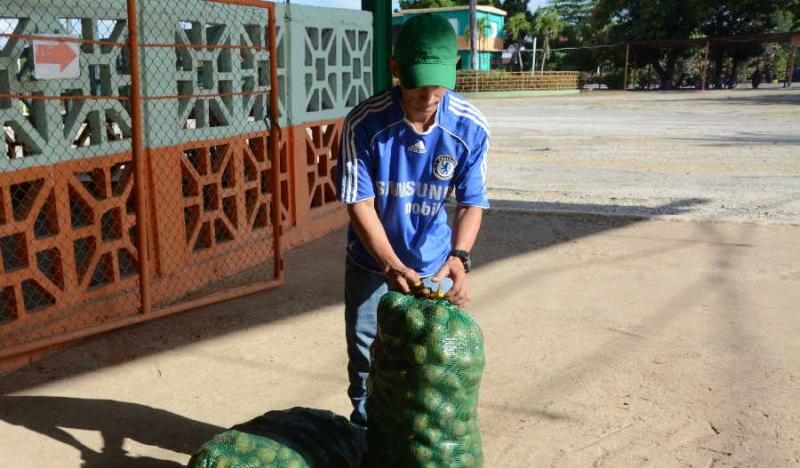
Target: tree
{"x":514,"y":7}
{"x":629,"y":21}
{"x":548,"y":24}
{"x":416,"y":4}
{"x":517,"y":28}
{"x":483,"y":33}
{"x":739,"y":18}
{"x":573,"y":12}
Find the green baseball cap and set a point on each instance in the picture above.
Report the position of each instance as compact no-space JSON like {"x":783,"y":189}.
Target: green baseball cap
{"x":427,"y":52}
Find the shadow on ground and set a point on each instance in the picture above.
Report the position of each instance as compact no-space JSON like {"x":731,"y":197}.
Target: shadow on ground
{"x":747,"y":138}
{"x":115,"y":421}
{"x":771,"y":96}
{"x":315,"y":273}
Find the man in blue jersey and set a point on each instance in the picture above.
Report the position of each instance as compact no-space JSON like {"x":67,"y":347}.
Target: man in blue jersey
{"x":402,"y":152}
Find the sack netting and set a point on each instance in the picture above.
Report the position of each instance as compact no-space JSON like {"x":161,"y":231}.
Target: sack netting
{"x":425,"y":373}
{"x":294,"y":438}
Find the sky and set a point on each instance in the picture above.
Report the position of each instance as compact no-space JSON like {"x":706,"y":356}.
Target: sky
{"x":356,"y":4}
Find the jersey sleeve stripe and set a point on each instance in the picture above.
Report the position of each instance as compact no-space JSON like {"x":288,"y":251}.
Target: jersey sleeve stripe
{"x":350,"y":172}
{"x":471,"y":117}
{"x":468,"y":105}
{"x":350,"y":178}
{"x":470,"y":110}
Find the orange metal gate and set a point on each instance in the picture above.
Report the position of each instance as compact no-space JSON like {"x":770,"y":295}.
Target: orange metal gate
{"x":160,"y":179}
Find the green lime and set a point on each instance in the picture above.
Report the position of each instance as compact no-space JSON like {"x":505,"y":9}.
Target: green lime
{"x":285,"y":453}
{"x":438,"y":313}
{"x":223,"y":463}
{"x":418,"y":354}
{"x":430,"y":435}
{"x":451,"y":382}
{"x":243,"y":443}
{"x":420,"y":422}
{"x":446,"y":412}
{"x":458,"y":428}
{"x":445,"y":451}
{"x":415,"y":320}
{"x":432,"y":373}
{"x":430,"y":398}
{"x":420,"y":452}
{"x":435,"y":333}
{"x":266,"y":454}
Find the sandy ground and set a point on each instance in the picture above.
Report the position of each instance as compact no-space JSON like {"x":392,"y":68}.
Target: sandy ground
{"x":725,"y":155}
{"x":611,"y":340}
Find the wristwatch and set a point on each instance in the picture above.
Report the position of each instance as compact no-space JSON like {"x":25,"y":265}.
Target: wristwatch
{"x":462,"y":255}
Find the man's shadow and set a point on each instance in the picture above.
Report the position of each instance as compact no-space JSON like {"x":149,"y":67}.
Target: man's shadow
{"x":115,"y":420}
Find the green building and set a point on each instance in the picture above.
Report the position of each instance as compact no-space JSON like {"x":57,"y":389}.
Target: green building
{"x":491,"y":24}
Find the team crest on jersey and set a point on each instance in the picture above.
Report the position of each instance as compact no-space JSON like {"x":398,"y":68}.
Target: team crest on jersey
{"x":418,"y":147}
{"x":444,"y":166}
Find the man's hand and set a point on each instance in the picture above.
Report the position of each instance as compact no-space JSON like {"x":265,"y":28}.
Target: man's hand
{"x":454,"y":269}
{"x":402,"y":279}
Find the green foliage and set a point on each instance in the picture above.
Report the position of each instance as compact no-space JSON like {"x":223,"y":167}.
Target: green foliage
{"x":511,"y":7}
{"x":482,"y":28}
{"x":514,"y":7}
{"x":415,"y":4}
{"x":573,"y":12}
{"x":518,"y":26}
{"x":630,"y":21}
{"x":548,"y":25}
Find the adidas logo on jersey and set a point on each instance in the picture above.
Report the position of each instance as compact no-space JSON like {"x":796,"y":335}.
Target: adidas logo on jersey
{"x":418,"y":147}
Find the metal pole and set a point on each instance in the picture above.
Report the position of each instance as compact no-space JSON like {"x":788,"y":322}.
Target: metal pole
{"x":533,"y":60}
{"x":790,"y":64}
{"x":275,"y":156}
{"x":382,"y":42}
{"x":625,"y":76}
{"x":704,"y":68}
{"x":138,"y":158}
{"x":473,"y":32}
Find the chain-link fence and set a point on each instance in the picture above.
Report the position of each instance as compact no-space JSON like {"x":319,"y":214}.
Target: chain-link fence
{"x":206,"y":93}
{"x":141,"y":181}
{"x":71,"y":226}
{"x":177,"y":148}
{"x":68,"y":224}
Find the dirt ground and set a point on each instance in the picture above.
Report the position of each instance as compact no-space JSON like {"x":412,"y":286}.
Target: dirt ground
{"x":664,"y":335}
{"x":722,"y":155}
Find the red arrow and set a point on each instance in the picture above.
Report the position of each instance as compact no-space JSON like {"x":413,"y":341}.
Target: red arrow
{"x":55,"y":54}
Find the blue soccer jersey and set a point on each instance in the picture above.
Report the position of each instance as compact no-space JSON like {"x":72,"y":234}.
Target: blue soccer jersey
{"x":409,"y":174}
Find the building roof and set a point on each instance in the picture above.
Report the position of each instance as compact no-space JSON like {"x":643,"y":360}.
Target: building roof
{"x":488,"y":9}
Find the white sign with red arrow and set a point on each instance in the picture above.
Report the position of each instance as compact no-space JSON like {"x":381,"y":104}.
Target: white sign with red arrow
{"x":55,"y":60}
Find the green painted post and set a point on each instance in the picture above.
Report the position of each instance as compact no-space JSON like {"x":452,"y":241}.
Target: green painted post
{"x":382,"y":42}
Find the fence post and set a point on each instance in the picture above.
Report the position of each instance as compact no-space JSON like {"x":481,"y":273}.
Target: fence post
{"x":790,"y":64}
{"x":382,"y":42}
{"x":138,"y":158}
{"x":275,"y":147}
{"x":625,"y":77}
{"x":704,"y":68}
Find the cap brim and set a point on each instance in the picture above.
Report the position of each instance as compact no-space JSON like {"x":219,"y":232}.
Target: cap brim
{"x":428,"y":74}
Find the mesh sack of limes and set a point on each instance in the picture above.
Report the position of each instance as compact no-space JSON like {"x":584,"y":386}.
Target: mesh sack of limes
{"x":293,"y":438}
{"x":425,"y":373}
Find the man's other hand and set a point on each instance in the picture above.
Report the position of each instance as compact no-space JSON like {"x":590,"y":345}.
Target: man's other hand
{"x":402,"y":279}
{"x":454,"y":269}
